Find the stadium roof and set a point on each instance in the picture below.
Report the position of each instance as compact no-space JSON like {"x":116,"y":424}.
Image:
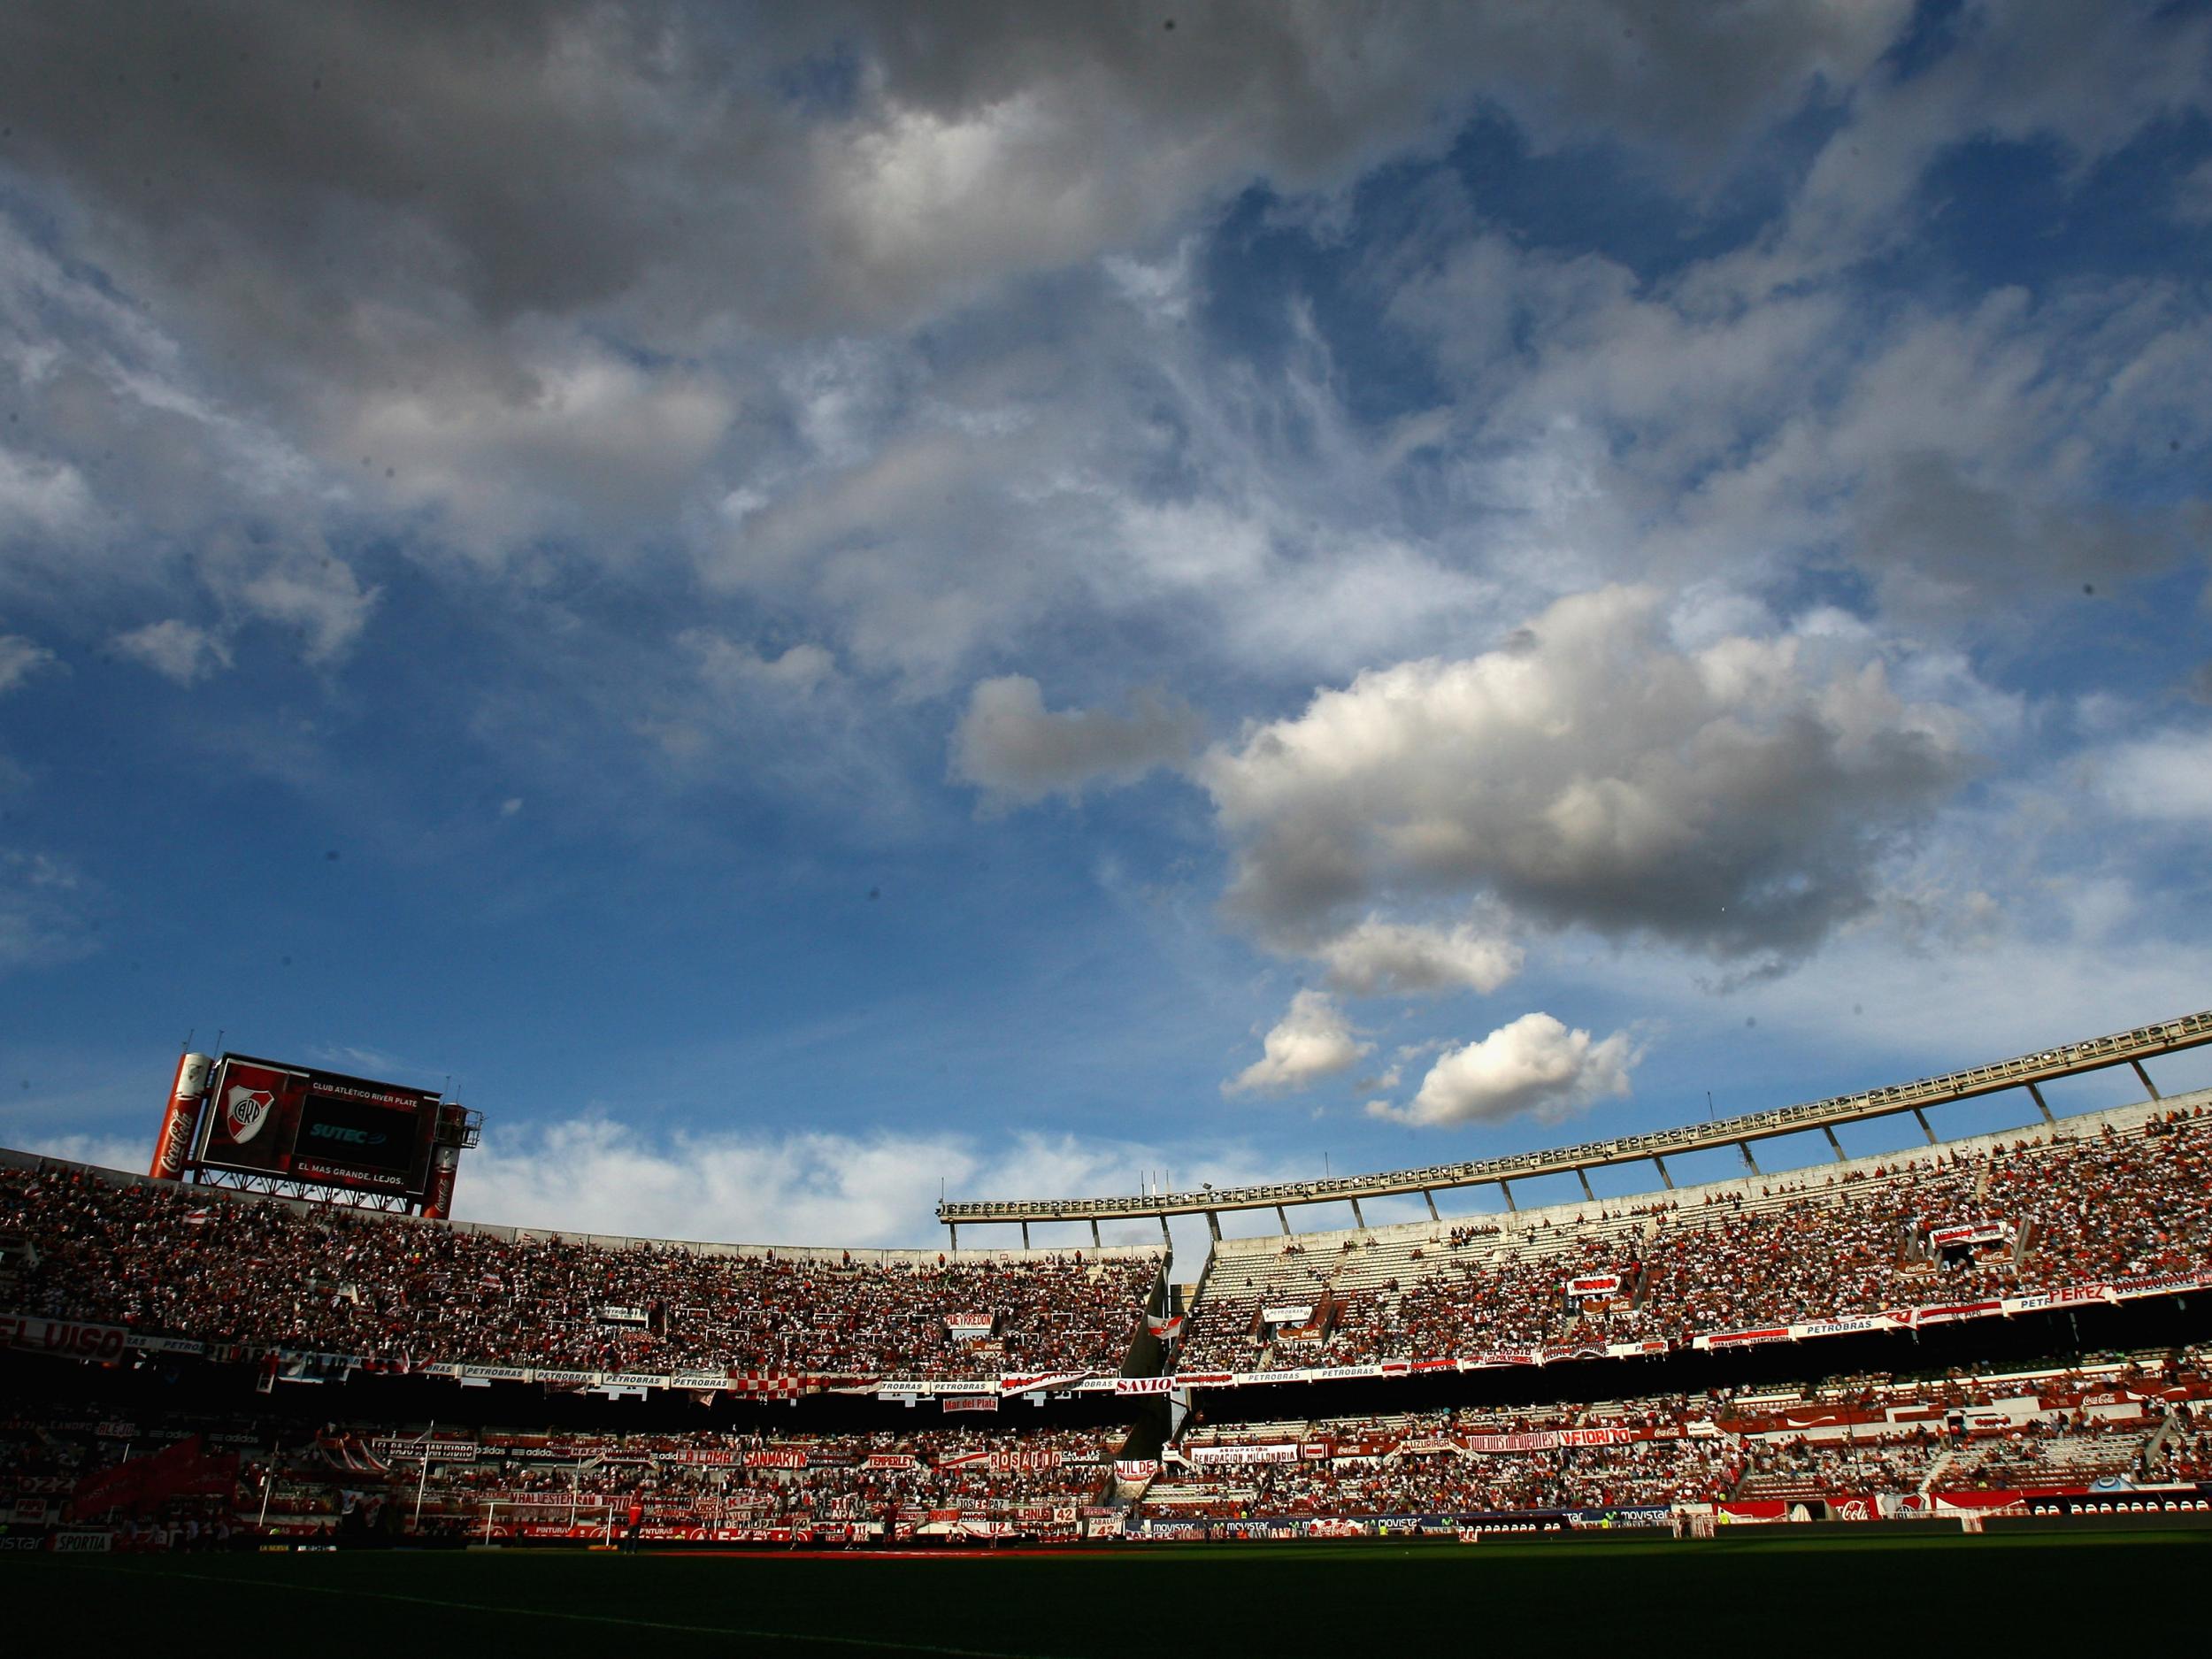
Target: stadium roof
{"x":2028,"y":1071}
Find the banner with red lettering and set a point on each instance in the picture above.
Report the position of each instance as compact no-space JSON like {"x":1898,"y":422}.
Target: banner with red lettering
{"x":1952,"y":1235}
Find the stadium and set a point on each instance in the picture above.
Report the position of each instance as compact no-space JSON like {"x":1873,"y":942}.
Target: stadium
{"x":276,"y":1345}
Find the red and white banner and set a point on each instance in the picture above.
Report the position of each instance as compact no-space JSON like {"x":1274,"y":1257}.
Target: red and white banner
{"x":1549,"y":1439}
{"x":1297,"y":1313}
{"x":67,"y":1339}
{"x":972,"y":1323}
{"x":1002,"y":1459}
{"x":1588,"y":1285}
{"x":1952,"y":1235}
{"x":1275,"y":1452}
{"x":969,"y":1402}
{"x":1037,"y":1382}
{"x":1135,"y":1469}
{"x":777,"y":1457}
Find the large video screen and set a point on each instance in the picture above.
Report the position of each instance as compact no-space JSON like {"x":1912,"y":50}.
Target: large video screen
{"x":297,"y":1123}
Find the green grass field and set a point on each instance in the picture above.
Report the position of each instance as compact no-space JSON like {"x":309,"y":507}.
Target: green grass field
{"x":1768,"y":1591}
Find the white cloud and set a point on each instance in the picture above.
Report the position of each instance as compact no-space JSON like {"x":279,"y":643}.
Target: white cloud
{"x":177,"y":649}
{"x":1590,"y":773}
{"x":1535,"y":1064}
{"x":19,"y":659}
{"x":1378,"y":957}
{"x":47,"y":497}
{"x":318,"y":596}
{"x":1312,"y":1041}
{"x":596,"y":1174}
{"x":1008,"y":745}
{"x":730,"y":667}
{"x":2166,"y":778}
{"x":106,"y":1152}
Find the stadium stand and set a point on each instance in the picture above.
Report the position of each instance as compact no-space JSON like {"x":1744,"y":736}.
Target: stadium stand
{"x":810,"y":1395}
{"x":1884,"y":1446}
{"x":2113,"y":1199}
{"x":248,"y":1475}
{"x":273,"y":1274}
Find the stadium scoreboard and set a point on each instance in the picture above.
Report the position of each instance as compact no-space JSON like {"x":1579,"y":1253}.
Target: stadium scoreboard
{"x":269,"y":1126}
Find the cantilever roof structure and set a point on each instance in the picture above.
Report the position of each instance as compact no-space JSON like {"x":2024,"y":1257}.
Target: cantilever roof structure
{"x":2028,"y":1071}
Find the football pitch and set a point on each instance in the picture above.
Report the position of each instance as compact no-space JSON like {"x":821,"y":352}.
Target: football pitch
{"x":1222,"y":1601}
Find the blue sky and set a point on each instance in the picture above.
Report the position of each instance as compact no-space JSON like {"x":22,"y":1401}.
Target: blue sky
{"x":1016,"y":596}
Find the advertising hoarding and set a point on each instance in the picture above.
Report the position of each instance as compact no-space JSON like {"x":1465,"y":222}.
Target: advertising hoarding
{"x":302,"y":1123}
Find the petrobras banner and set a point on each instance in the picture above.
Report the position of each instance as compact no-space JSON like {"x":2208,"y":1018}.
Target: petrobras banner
{"x":1291,"y":1313}
{"x":1846,"y":1328}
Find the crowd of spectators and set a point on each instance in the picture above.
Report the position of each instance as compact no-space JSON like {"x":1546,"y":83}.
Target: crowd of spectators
{"x":291,"y":1479}
{"x":2143,"y":1420}
{"x":716,"y":1478}
{"x":2068,"y":1208}
{"x":180,"y":1260}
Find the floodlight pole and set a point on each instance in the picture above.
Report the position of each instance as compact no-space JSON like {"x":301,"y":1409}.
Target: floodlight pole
{"x":268,"y":1480}
{"x":423,"y":1480}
